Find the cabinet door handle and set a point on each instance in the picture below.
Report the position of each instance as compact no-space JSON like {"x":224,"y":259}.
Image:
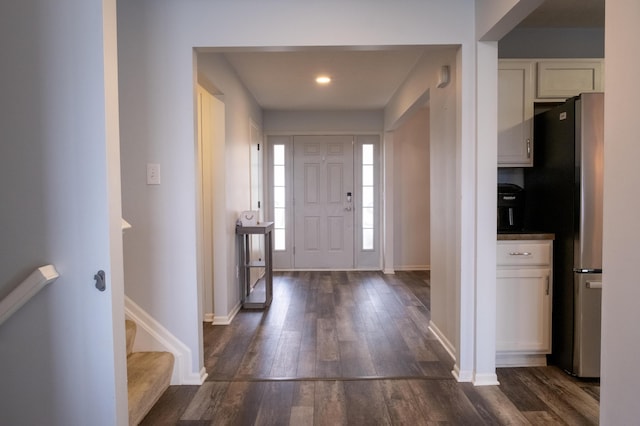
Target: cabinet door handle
{"x":520,"y":253}
{"x":528,"y":148}
{"x":547,"y":286}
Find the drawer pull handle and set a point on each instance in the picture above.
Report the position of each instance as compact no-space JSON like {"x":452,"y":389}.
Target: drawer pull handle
{"x":520,"y":253}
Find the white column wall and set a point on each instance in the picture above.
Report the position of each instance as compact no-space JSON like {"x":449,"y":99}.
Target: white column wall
{"x":486,"y":200}
{"x":388,"y":260}
{"x":240,"y":110}
{"x":62,"y":354}
{"x":157,"y":110}
{"x":621,"y":256}
{"x":158,"y":126}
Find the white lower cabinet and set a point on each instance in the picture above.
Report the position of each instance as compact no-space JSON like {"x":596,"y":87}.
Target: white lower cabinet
{"x":524,"y":294}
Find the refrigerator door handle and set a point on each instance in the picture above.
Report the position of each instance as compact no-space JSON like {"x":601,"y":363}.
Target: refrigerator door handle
{"x":594,"y":284}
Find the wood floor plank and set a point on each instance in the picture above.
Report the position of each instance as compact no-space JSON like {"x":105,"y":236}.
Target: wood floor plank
{"x":444,"y":401}
{"x":567,"y":390}
{"x":402,"y":405}
{"x":543,"y":418}
{"x":518,"y":393}
{"x":365,"y":403}
{"x":415,"y":340}
{"x":493,"y":406}
{"x":327,"y":340}
{"x":275,"y":407}
{"x":170,"y":406}
{"x":301,"y":416}
{"x":355,"y":359}
{"x":326,"y":328}
{"x":285,"y":362}
{"x":259,"y":357}
{"x":553,"y":399}
{"x":240,"y":403}
{"x":205,"y":402}
{"x":304,"y":394}
{"x":347,"y":325}
{"x":330,"y":404}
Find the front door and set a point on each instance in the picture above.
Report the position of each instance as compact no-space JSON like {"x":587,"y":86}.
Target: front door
{"x":323,"y":194}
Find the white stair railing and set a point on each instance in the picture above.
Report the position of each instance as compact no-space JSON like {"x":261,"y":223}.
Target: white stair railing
{"x":26,"y":290}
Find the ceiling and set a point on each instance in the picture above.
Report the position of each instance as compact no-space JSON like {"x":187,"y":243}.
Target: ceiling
{"x":366,"y":78}
{"x":360,"y":79}
{"x":567,"y":13}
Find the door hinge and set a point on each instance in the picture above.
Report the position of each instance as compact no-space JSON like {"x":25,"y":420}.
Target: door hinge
{"x":294,"y":250}
{"x":258,"y":147}
{"x":258,"y":204}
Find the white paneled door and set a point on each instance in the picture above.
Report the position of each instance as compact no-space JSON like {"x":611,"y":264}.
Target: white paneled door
{"x":323,"y":202}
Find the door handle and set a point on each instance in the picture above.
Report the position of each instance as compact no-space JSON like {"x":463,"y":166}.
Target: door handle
{"x":594,"y":284}
{"x":520,"y":253}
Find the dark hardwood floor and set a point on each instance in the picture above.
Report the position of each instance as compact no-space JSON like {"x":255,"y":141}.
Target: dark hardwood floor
{"x":353,"y":348}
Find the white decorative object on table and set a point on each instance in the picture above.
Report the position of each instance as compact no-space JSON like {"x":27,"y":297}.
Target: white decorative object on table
{"x":249,"y":218}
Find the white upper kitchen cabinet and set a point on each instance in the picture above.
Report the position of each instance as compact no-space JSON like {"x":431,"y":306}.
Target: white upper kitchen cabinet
{"x":515,"y":113}
{"x":522,"y":83}
{"x":559,"y":80}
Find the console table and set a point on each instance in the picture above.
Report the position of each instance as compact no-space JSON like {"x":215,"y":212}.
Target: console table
{"x":255,"y":298}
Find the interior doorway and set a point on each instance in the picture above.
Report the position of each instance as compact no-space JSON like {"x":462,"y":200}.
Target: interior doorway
{"x":256,"y":242}
{"x":210,"y":152}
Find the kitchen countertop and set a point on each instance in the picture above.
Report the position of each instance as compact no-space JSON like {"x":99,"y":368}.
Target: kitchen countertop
{"x":525,"y":235}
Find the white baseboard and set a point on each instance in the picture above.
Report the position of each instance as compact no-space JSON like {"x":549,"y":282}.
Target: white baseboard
{"x":485,"y":380}
{"x":520,"y":360}
{"x":226,"y":320}
{"x":451,"y":350}
{"x":388,"y":271}
{"x":460,"y":375}
{"x":412,"y":268}
{"x":208,"y":317}
{"x":153,"y":336}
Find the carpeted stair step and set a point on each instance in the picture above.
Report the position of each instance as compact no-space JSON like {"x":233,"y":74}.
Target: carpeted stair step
{"x":148,"y":376}
{"x":130,"y":328}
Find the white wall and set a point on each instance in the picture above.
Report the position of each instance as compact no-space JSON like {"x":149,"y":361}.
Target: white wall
{"x":495,"y":18}
{"x":621,"y":256}
{"x":62,"y":355}
{"x":301,"y":122}
{"x":157,"y":114}
{"x":158,"y":126}
{"x":240,"y":109}
{"x":411,"y":232}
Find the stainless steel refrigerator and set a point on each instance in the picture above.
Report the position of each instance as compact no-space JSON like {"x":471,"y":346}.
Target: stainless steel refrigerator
{"x":564,"y":196}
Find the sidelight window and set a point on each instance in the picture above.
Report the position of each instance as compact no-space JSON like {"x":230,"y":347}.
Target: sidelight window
{"x":368,"y":191}
{"x":279,"y":198}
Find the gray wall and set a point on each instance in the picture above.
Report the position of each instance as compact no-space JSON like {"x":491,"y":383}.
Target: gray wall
{"x":553,"y":43}
{"x":411,"y":193}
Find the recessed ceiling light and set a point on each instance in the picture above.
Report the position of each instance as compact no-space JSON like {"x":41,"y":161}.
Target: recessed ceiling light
{"x":323,"y":79}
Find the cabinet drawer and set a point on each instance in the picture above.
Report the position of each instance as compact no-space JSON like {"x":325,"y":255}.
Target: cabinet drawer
{"x":519,"y":253}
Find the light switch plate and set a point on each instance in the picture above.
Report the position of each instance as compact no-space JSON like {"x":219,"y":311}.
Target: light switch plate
{"x":153,"y":174}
